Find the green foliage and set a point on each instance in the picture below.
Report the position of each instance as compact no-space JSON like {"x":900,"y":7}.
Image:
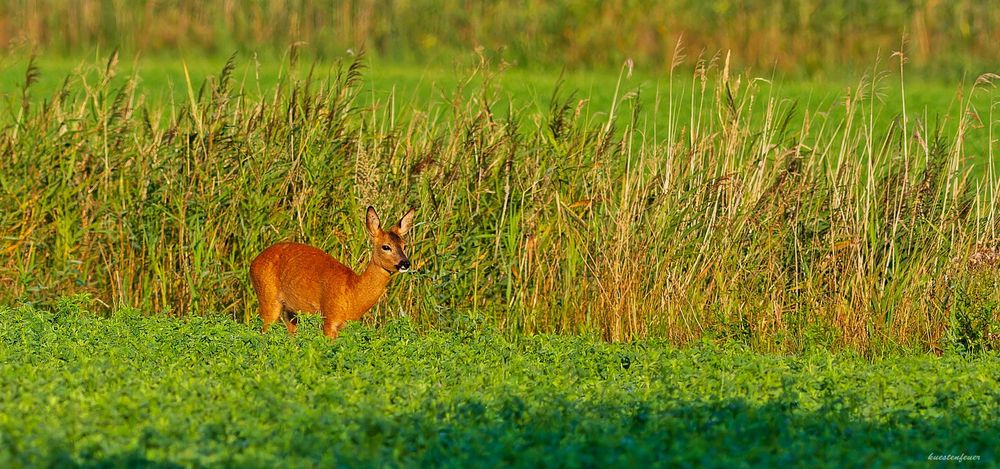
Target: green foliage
{"x":128,"y":390}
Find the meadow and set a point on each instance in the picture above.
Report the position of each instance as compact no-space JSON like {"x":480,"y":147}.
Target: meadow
{"x":135,"y":390}
{"x":679,"y":233}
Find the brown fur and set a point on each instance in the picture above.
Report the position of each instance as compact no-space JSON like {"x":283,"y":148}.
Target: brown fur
{"x":290,"y":278}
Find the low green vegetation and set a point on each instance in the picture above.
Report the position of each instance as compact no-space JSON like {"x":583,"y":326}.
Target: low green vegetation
{"x":78,"y":388}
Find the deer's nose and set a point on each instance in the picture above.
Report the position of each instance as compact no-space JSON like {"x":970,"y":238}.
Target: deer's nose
{"x":403,"y":265}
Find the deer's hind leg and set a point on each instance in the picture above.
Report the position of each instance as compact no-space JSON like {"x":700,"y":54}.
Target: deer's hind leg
{"x":267,"y":295}
{"x":291,"y":319}
{"x":270,"y":311}
{"x":270,"y":306}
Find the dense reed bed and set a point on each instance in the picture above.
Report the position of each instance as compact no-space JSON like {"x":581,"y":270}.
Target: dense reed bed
{"x":812,"y":37}
{"x":693,"y":220}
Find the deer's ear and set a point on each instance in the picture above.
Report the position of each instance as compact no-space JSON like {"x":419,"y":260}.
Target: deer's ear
{"x":406,"y":222}
{"x":372,"y":225}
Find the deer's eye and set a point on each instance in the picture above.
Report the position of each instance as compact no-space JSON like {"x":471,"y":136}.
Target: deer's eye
{"x":385,"y":247}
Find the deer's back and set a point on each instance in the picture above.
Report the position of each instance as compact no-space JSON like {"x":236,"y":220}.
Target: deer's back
{"x":299,"y":274}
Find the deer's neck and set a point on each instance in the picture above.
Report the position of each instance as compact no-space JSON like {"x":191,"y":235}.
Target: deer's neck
{"x":370,"y":287}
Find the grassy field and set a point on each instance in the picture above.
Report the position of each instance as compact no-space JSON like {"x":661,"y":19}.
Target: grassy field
{"x":415,"y":88}
{"x":130,"y":390}
{"x":680,"y":233}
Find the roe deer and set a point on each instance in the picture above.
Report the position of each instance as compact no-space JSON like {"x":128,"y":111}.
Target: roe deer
{"x":292,"y":278}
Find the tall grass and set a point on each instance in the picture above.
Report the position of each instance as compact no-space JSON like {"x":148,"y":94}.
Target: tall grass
{"x":784,"y":232}
{"x":809,"y":36}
